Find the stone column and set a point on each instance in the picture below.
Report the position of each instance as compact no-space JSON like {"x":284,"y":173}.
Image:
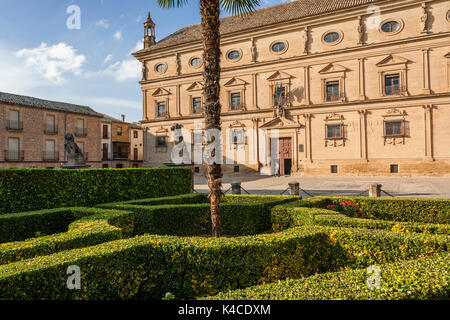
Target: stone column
{"x":308,"y":149}
{"x":362,"y":80}
{"x":144,"y":103}
{"x":178,"y":101}
{"x":363,"y":134}
{"x":375,"y":190}
{"x":428,"y":118}
{"x":426,"y":71}
{"x":255,"y":90}
{"x":306,"y":86}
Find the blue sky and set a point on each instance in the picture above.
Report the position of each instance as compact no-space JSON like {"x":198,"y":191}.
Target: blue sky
{"x":40,"y":56}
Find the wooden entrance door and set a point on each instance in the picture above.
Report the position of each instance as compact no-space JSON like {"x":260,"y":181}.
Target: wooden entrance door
{"x":285,"y":155}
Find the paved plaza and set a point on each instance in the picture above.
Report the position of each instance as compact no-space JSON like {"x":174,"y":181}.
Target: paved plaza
{"x":427,"y":187}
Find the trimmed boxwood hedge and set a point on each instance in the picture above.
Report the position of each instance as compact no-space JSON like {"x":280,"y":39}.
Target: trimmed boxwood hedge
{"x":35,"y":189}
{"x":287,"y":216}
{"x":94,"y":226}
{"x":424,"y":278}
{"x":395,"y":209}
{"x":245,"y":217}
{"x":146,"y":267}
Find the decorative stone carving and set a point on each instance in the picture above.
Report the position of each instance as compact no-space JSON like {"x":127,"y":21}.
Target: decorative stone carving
{"x":395,"y":112}
{"x":178,"y":64}
{"x":334,"y":116}
{"x":144,"y":71}
{"x":254,"y":51}
{"x":306,"y":39}
{"x":424,"y":19}
{"x":361,"y":30}
{"x":335,"y":143}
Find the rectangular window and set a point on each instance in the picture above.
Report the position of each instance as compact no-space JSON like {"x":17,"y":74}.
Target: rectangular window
{"x":394,"y":168}
{"x":197,"y":105}
{"x":161,"y":141}
{"x":50,"y":125}
{"x":161,"y":111}
{"x":80,"y":129}
{"x":49,"y":150}
{"x":301,"y":148}
{"x":393,"y":128}
{"x":279,"y":95}
{"x":135,"y":134}
{"x":334,"y":169}
{"x":119,"y":131}
{"x":135,"y":154}
{"x":237,"y":136}
{"x":197,"y":169}
{"x":14,"y":122}
{"x":13,"y":149}
{"x":236,"y":169}
{"x":105,"y":131}
{"x":332,"y":88}
{"x":235,"y":101}
{"x":392,"y":84}
{"x":334,"y":131}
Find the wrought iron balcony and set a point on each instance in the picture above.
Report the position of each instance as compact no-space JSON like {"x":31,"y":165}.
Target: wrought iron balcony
{"x":14,"y":155}
{"x":51,"y":129}
{"x":14,"y":125}
{"x":80,"y":132}
{"x":50,"y":156}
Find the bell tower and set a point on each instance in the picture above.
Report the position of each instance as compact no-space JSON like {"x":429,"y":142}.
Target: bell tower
{"x":149,"y":32}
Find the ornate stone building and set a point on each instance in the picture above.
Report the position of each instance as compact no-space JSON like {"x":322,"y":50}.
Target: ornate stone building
{"x":354,"y":87}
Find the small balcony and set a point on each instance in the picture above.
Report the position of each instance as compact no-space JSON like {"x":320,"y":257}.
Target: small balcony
{"x":120,"y":156}
{"x":14,"y":155}
{"x":80,"y":132}
{"x":335,"y":97}
{"x":50,"y":156}
{"x":51,"y":129}
{"x":14,"y":125}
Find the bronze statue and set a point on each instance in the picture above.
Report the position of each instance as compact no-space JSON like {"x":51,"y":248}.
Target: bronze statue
{"x":75,"y":158}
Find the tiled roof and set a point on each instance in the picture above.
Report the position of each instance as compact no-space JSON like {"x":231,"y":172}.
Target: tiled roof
{"x":46,"y":104}
{"x":289,"y":11}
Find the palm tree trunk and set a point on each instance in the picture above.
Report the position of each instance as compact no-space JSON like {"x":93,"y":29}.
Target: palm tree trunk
{"x":210,"y":11}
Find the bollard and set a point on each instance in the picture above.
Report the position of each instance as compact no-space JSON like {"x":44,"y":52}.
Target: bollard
{"x":294,"y":188}
{"x":235,"y":187}
{"x":375,"y":190}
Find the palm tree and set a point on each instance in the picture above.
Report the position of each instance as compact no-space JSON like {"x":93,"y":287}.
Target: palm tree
{"x":210,"y":12}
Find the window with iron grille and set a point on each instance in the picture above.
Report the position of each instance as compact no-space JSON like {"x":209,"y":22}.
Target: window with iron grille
{"x":197,"y":105}
{"x":334,"y":131}
{"x":332,"y":88}
{"x":161,"y":111}
{"x":161,"y":141}
{"x":392,"y":84}
{"x":394,"y":128}
{"x":235,"y":101}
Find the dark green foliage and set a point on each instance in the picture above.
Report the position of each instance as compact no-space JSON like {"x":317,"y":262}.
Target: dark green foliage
{"x":395,"y":209}
{"x":424,"y":278}
{"x":244,"y":217}
{"x":35,"y":189}
{"x":94,"y":226}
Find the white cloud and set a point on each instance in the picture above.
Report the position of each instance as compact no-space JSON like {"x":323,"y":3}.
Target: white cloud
{"x":125,"y":70}
{"x":53,"y":62}
{"x":139,"y":45}
{"x":118,"y":35}
{"x":102,"y":24}
{"x":108,"y":58}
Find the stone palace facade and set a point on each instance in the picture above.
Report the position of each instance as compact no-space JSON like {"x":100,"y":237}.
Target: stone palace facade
{"x":357,"y":87}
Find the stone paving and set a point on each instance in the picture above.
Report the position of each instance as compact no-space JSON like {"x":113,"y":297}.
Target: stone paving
{"x":427,"y":187}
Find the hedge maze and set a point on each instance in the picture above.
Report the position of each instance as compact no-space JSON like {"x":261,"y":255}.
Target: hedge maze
{"x":276,"y":247}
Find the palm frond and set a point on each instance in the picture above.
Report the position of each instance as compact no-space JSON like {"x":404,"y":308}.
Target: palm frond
{"x":171,"y":3}
{"x":239,"y":6}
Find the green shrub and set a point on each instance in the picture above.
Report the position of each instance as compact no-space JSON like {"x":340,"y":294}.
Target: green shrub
{"x":347,"y":222}
{"x":395,"y":209}
{"x":146,"y":267}
{"x":246,"y":218}
{"x":94,"y":226}
{"x":425,"y":278}
{"x":190,"y":198}
{"x":287,"y":216}
{"x":35,"y":189}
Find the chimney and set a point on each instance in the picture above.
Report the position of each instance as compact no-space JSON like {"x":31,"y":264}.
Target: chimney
{"x":123,"y":117}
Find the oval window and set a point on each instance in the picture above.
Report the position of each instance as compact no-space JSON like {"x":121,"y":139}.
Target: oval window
{"x":331,"y":37}
{"x":390,"y":26}
{"x":233,"y":55}
{"x":195,"y":62}
{"x":278,"y":47}
{"x":161,"y":68}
